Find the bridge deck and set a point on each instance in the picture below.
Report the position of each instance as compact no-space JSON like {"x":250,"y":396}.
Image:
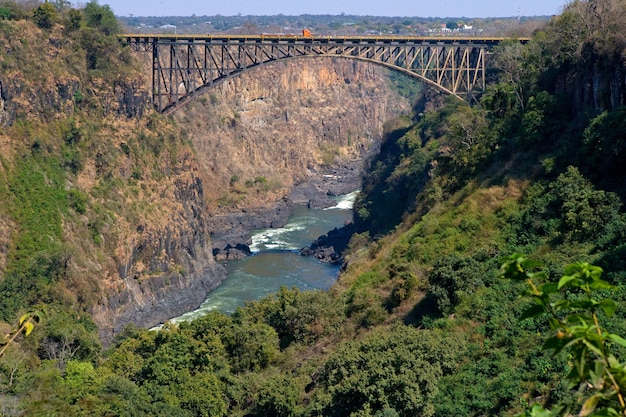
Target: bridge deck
{"x":329,"y":39}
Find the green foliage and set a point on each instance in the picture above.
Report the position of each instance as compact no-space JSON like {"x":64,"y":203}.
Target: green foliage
{"x":541,"y":120}
{"x":67,"y":336}
{"x":278,"y":396}
{"x":574,"y":307}
{"x":604,"y":143}
{"x":81,"y":378}
{"x":101,"y":18}
{"x":585,"y":212}
{"x":471,"y":142}
{"x":13,"y":10}
{"x":405,"y":284}
{"x":45,"y":16}
{"x":253,"y":347}
{"x":297,"y":317}
{"x":37,"y":201}
{"x":234,"y":179}
{"x":100,"y":49}
{"x":452,"y":278}
{"x":73,"y":20}
{"x":78,"y":201}
{"x":98,"y":39}
{"x":398,"y":370}
{"x":176,"y":368}
{"x":570,"y":209}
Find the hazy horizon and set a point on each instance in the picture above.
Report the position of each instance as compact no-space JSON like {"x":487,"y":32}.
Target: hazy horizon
{"x":400,"y":8}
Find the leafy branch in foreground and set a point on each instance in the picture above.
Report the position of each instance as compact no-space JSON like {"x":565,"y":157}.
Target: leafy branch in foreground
{"x":25,"y":326}
{"x":573,"y":306}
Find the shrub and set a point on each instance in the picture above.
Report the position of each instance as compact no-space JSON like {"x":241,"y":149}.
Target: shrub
{"x":604,"y":143}
{"x":73,"y":20}
{"x":297,"y":316}
{"x":101,"y":18}
{"x":78,"y":201}
{"x":45,"y":16}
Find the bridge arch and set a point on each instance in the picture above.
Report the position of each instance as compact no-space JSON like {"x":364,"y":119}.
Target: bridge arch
{"x":183,"y":66}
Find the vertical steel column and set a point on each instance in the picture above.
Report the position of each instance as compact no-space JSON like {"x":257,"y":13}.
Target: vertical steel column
{"x":482,"y":65}
{"x":156,"y":89}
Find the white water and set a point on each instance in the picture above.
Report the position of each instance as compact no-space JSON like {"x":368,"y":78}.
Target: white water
{"x":276,"y":260}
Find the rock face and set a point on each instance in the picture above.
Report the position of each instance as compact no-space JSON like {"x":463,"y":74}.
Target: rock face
{"x":330,"y":247}
{"x":284,"y":134}
{"x":168,"y":271}
{"x":305,"y":126}
{"x":288,"y":122}
{"x":165,"y":196}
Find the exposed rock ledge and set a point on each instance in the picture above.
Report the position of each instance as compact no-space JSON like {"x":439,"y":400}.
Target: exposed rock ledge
{"x":166,"y":273}
{"x":330,"y":247}
{"x":230,"y":233}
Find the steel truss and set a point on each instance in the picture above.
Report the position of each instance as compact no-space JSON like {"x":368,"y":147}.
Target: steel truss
{"x":182,"y":66}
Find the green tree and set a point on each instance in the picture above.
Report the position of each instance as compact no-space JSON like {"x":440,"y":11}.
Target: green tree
{"x":398,"y":370}
{"x":278,"y":397}
{"x":101,"y":18}
{"x":452,"y":25}
{"x":202,"y":395}
{"x":81,"y":379}
{"x":517,"y":67}
{"x":73,"y":21}
{"x":45,"y":15}
{"x":451,"y":278}
{"x":541,"y":120}
{"x":67,"y":336}
{"x":574,"y":307}
{"x":471,"y":141}
{"x":13,"y":363}
{"x":297,"y":316}
{"x":585,"y":212}
{"x":252,"y":347}
{"x":604,"y":143}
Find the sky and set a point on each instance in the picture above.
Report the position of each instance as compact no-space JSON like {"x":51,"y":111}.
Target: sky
{"x":412,"y":8}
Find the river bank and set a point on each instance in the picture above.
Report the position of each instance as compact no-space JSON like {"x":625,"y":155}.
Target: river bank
{"x":231,"y":233}
{"x":276,"y":261}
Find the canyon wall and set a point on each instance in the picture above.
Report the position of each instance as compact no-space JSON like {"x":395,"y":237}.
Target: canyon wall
{"x":146,"y":191}
{"x":286,"y":122}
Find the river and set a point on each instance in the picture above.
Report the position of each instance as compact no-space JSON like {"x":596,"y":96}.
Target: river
{"x":276,"y":260}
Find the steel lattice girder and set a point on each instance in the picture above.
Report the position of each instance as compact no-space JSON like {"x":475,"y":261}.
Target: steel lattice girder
{"x":184,"y":65}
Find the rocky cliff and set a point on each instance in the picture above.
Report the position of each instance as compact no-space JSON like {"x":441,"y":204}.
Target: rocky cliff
{"x":145,"y":192}
{"x":285,"y":121}
{"x":288,"y":132}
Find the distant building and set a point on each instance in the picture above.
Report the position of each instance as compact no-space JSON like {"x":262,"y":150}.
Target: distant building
{"x":168,"y":27}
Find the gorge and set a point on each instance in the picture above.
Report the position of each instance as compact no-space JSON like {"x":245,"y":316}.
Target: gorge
{"x":280,"y":135}
{"x":474,"y":224}
{"x":162,"y":195}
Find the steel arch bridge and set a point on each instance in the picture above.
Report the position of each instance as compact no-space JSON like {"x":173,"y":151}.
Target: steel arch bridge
{"x":184,"y":65}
